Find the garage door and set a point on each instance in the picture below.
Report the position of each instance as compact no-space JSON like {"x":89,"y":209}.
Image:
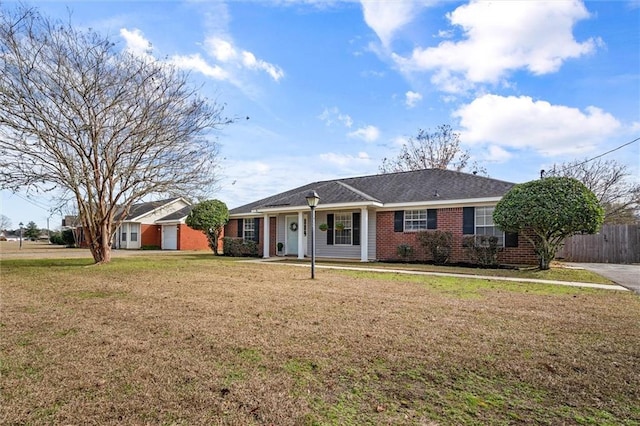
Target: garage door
{"x":169,"y":237}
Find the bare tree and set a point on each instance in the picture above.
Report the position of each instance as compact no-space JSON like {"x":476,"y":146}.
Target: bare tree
{"x":437,"y":150}
{"x":5,"y":223}
{"x":106,"y":127}
{"x":610,"y":181}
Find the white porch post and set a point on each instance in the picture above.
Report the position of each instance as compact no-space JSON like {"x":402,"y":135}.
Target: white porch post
{"x":301,"y":247}
{"x":266,"y":239}
{"x":364,"y":234}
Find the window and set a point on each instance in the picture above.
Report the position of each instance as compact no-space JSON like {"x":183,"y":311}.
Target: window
{"x":485,"y":225}
{"x":123,"y":236}
{"x":249,"y":230}
{"x":419,"y":220}
{"x":343,"y":228}
{"x":134,"y":236}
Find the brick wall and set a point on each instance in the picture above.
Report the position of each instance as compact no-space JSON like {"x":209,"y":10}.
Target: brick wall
{"x":273,"y":224}
{"x":450,"y":220}
{"x":151,"y":235}
{"x":191,"y":239}
{"x":521,"y":255}
{"x":231,"y":228}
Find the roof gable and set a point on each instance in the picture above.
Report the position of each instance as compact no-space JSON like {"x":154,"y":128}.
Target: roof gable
{"x":140,"y":210}
{"x":417,"y":186}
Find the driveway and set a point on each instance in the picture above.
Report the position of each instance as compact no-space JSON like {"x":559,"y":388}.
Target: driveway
{"x":626,"y":275}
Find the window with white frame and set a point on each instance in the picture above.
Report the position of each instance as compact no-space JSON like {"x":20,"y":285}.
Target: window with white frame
{"x":415,"y":220}
{"x":343,"y":228}
{"x":249,"y":229}
{"x":134,"y":236}
{"x":419,"y":220}
{"x":485,"y":225}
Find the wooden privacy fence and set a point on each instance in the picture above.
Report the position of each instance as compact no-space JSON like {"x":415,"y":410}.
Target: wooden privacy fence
{"x":613,"y":244}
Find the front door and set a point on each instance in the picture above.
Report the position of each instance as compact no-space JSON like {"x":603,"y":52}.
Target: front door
{"x":292,"y":225}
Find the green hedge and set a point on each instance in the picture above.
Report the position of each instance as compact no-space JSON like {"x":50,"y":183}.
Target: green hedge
{"x":237,"y":247}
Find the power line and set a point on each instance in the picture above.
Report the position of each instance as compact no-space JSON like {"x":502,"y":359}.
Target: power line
{"x":601,"y":155}
{"x":32,"y":202}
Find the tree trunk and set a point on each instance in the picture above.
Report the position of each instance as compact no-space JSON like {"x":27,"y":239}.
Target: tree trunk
{"x":213,"y":241}
{"x":546,"y":253}
{"x":545,"y":263}
{"x":99,"y":244}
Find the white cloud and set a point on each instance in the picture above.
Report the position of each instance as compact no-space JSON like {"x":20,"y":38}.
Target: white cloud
{"x":220,"y":49}
{"x":522,"y":123}
{"x":229,"y":58}
{"x":196,"y":63}
{"x":136,"y":43}
{"x":497,"y":154}
{"x":412,"y":99}
{"x":225,"y":51}
{"x":250,"y":61}
{"x":386,"y":17}
{"x":343,"y":160}
{"x":333,"y":114}
{"x":398,"y":141}
{"x":367,"y":133}
{"x":501,"y":37}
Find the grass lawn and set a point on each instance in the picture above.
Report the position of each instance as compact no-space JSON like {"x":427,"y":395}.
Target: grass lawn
{"x":194,"y":339}
{"x":559,"y":272}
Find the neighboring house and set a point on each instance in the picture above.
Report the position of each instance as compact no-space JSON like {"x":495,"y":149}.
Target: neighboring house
{"x":367,"y":218}
{"x":159,"y":224}
{"x":153,"y":224}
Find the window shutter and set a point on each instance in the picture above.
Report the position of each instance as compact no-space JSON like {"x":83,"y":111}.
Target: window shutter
{"x":432,"y":219}
{"x":330,"y":229}
{"x":256,"y":229}
{"x":511,"y":239}
{"x":240,"y":228}
{"x":468,"y":220}
{"x":398,"y":221}
{"x":355,"y":221}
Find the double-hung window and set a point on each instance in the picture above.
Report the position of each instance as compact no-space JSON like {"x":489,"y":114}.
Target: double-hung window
{"x":249,"y":230}
{"x":343,"y":228}
{"x":484,"y":224}
{"x":419,"y":220}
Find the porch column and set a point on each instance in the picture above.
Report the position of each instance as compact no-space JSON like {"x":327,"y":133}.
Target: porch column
{"x":301,"y":247}
{"x":266,"y":239}
{"x":364,"y":234}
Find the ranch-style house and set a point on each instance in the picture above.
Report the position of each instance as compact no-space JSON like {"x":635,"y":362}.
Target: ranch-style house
{"x":367,"y":218}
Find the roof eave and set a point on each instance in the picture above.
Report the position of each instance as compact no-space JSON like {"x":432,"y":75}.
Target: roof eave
{"x":444,"y":203}
{"x":294,"y":209}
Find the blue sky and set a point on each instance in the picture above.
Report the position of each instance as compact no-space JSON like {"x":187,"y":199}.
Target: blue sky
{"x":333,"y":87}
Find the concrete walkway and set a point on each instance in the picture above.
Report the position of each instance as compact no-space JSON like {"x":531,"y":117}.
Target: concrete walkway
{"x":625,"y":275}
{"x":445,"y":274}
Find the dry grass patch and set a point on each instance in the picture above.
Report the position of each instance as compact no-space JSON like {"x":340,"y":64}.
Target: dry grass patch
{"x":201,"y":340}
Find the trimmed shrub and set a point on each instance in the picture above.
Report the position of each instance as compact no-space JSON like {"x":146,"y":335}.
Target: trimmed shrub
{"x":438,"y":243}
{"x":56,"y":238}
{"x":64,"y":238}
{"x":482,"y":249}
{"x":405,"y":251}
{"x":238,"y":247}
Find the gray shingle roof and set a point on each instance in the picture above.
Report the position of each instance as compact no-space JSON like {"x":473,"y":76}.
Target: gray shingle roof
{"x":140,"y":209}
{"x":177,"y":215}
{"x":391,"y":188}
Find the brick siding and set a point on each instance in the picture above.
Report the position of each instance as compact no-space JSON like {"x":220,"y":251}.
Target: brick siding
{"x":449,"y":220}
{"x":151,"y":235}
{"x":191,"y":239}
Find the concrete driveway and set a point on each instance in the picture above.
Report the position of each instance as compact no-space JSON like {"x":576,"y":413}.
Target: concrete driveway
{"x":625,"y":275}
